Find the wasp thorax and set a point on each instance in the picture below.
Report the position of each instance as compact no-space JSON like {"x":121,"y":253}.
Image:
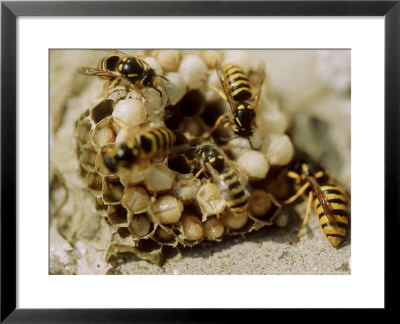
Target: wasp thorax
{"x":131,"y":68}
{"x":209,"y":154}
{"x":244,"y":118}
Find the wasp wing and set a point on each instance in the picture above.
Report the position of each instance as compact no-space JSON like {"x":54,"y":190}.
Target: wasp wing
{"x":259,"y":76}
{"x":229,"y":188}
{"x":97,"y":72}
{"x":139,"y":57}
{"x":225,"y":86}
{"x":323,"y":201}
{"x":118,"y":52}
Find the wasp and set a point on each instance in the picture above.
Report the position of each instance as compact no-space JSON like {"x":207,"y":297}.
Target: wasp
{"x":147,"y":144}
{"x":330,"y":200}
{"x":122,"y":68}
{"x":237,"y":92}
{"x":223,"y":174}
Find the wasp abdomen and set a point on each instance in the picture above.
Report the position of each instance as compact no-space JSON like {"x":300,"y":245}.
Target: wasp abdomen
{"x":336,"y":205}
{"x":157,"y":140}
{"x":238,"y":83}
{"x":236,"y":198}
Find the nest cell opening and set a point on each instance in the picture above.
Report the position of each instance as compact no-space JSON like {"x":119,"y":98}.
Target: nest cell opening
{"x":102,"y":110}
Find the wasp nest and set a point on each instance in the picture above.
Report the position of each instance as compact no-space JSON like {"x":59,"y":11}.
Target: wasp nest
{"x":157,"y":202}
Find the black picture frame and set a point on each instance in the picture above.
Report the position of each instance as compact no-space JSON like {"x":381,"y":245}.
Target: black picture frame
{"x":9,"y":13}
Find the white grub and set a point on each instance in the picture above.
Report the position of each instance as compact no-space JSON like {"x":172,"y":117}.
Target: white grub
{"x":129,"y":113}
{"x":104,"y":135}
{"x":259,"y":203}
{"x":256,"y":140}
{"x":158,"y":177}
{"x":153,"y":64}
{"x":169,"y":60}
{"x":238,"y":146}
{"x":272,"y":121}
{"x":175,"y":88}
{"x":192,"y":227}
{"x":282,"y":219}
{"x":234,"y":221}
{"x":140,"y":225}
{"x":210,"y":94}
{"x":210,"y":57}
{"x":186,"y":192}
{"x":121,"y":136}
{"x":167,"y":209}
{"x":194,"y":71}
{"x":279,"y":150}
{"x":136,"y":199}
{"x":162,"y":235}
{"x":254,"y":164}
{"x":210,"y":200}
{"x":239,"y":58}
{"x":213,"y":228}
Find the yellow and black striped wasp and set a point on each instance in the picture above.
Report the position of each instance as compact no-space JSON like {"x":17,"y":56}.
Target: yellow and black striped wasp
{"x":222,"y":173}
{"x":330,"y":200}
{"x":145,"y":144}
{"x":121,"y":68}
{"x":238,"y":91}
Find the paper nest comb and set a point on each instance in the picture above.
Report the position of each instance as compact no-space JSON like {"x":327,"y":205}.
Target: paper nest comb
{"x":151,"y":206}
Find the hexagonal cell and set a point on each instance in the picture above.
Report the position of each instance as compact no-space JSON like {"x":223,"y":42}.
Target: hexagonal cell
{"x":83,"y":131}
{"x":212,"y":111}
{"x":113,"y":190}
{"x":94,"y":181}
{"x":173,"y":116}
{"x":192,"y":103}
{"x":100,"y":205}
{"x":102,"y":110}
{"x":136,"y":199}
{"x":158,"y":178}
{"x":87,"y":158}
{"x":117,"y":215}
{"x":163,"y":236}
{"x":99,"y":162}
{"x":140,"y":226}
{"x":123,"y":232}
{"x":104,"y":132}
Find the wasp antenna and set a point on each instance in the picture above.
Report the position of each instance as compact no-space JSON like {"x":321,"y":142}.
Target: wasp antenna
{"x":158,"y":91}
{"x":162,"y":77}
{"x":251,"y":144}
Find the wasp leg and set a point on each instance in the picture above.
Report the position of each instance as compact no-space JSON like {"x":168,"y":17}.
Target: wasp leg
{"x":216,"y":125}
{"x":124,"y":127}
{"x":308,"y":212}
{"x":112,"y":85}
{"x":240,"y":169}
{"x":194,"y":177}
{"x":138,"y":91}
{"x":104,"y":88}
{"x":213,"y":196}
{"x":218,"y":91}
{"x":296,"y":195}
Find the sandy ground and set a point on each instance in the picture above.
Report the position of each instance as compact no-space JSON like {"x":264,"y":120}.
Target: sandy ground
{"x":314,"y":86}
